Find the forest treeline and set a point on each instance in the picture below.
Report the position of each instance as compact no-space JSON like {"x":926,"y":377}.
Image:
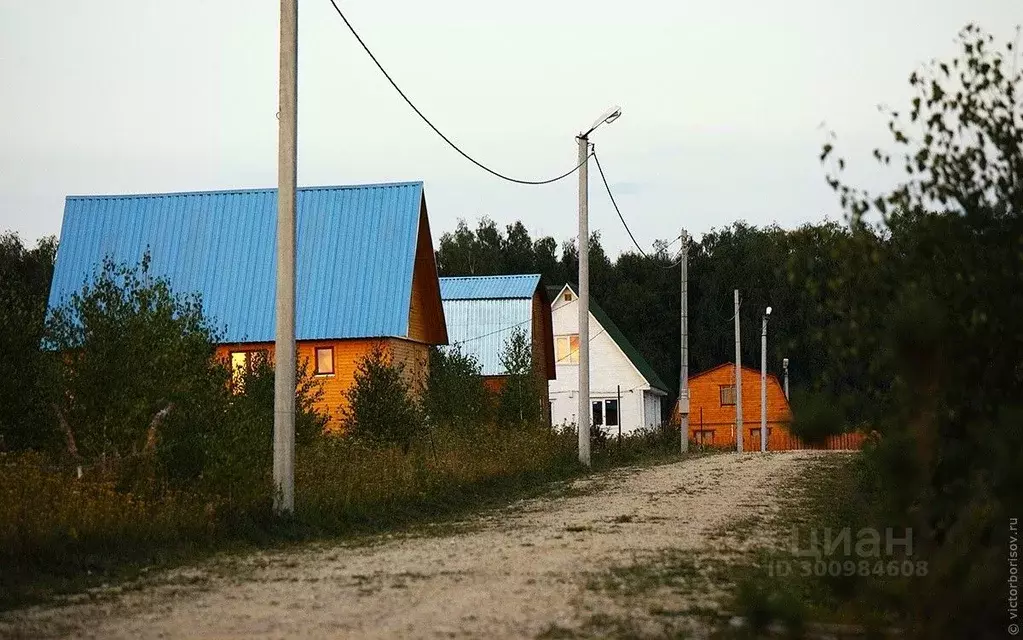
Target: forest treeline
{"x":797,"y":272}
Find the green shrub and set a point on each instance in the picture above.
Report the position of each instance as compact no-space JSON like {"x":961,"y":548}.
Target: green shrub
{"x":455,"y":393}
{"x":381,"y":409}
{"x":25,"y":420}
{"x":133,"y":356}
{"x":520,"y":401}
{"x":815,"y":417}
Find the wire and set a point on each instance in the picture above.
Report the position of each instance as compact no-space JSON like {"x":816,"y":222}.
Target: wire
{"x":432,"y":126}
{"x":611,"y":195}
{"x":570,"y":352}
{"x":501,"y":330}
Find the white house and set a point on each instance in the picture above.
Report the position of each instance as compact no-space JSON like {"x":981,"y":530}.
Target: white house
{"x":625,"y":391}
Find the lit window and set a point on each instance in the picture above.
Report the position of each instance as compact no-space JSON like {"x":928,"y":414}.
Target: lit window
{"x":324,"y":361}
{"x":242,"y":364}
{"x":727,"y":394}
{"x":566,"y":349}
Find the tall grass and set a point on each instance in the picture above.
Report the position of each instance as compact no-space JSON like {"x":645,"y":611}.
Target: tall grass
{"x":60,"y":532}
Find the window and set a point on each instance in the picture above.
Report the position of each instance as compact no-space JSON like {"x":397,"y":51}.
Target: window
{"x":605,"y":413}
{"x":705,"y":437}
{"x":242,"y":364}
{"x":324,"y":361}
{"x":754,"y":434}
{"x":611,"y":413}
{"x":566,"y":349}
{"x":727,"y":394}
{"x":568,"y":296}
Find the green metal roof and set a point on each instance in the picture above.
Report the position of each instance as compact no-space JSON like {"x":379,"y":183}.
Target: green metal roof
{"x":630,"y":350}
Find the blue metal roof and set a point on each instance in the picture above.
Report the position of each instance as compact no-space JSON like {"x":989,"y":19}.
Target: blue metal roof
{"x":356,"y":249}
{"x":488,"y":287}
{"x":481,"y":327}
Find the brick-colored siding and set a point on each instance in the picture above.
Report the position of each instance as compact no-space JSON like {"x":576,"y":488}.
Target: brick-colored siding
{"x":413,"y":356}
{"x":713,"y":424}
{"x":543,"y":349}
{"x":426,"y":313}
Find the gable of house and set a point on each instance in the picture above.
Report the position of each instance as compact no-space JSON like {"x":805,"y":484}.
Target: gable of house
{"x":711,"y":397}
{"x":364,"y":257}
{"x":617,"y":337}
{"x":483,"y":312}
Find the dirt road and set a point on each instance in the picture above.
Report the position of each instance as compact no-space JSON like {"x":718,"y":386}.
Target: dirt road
{"x":531,"y":569}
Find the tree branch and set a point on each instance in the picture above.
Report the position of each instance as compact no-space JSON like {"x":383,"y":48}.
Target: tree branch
{"x":154,"y":425}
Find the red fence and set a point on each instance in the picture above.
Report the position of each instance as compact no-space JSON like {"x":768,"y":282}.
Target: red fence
{"x":722,"y":436}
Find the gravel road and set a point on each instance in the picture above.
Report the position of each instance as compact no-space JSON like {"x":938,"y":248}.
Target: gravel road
{"x":523,"y":571}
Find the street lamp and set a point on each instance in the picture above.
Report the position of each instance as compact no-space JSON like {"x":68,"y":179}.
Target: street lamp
{"x":763,"y":381}
{"x":585,"y":412}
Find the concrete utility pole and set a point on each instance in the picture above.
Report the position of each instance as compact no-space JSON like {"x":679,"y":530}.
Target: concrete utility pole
{"x":763,"y":382}
{"x":584,"y":303}
{"x":284,"y":346}
{"x":585,"y":412}
{"x":683,"y":386}
{"x":738,"y":380}
{"x":785,"y":367}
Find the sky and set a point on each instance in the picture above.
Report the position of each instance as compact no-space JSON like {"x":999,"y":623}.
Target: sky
{"x":725,"y":104}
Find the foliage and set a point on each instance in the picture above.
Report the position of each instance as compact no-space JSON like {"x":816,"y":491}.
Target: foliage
{"x":132,"y":356}
{"x":232,"y":455}
{"x":815,"y":418}
{"x":24,"y":287}
{"x":455,"y":393}
{"x":381,"y":408}
{"x":520,"y":401}
{"x":945,"y":279}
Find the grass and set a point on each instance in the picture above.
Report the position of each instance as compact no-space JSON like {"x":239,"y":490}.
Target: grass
{"x":779,"y":588}
{"x":60,"y":534}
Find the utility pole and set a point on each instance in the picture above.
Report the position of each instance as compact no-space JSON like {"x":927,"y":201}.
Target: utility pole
{"x":763,"y":382}
{"x":785,"y":367}
{"x":738,"y":380}
{"x":584,"y":303}
{"x":683,"y":386}
{"x":585,"y":411}
{"x":284,"y":346}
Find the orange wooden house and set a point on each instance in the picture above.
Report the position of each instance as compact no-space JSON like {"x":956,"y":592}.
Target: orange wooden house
{"x":712,"y":410}
{"x":365,"y":270}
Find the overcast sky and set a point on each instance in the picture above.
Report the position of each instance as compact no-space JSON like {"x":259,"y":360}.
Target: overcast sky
{"x":723,"y":101}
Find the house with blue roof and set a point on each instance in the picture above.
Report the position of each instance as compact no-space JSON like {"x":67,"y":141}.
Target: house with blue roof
{"x":482,"y":312}
{"x":365,"y":269}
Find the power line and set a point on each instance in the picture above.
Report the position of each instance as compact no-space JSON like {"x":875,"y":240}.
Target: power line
{"x":432,"y":126}
{"x":570,"y":352}
{"x":485,"y":335}
{"x":610,"y":195}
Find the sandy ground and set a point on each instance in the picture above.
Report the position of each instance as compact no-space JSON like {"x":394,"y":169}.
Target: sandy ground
{"x":521,"y":571}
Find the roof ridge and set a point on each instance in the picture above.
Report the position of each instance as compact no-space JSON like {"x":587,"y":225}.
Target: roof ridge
{"x":211,"y":192}
{"x":501,"y":275}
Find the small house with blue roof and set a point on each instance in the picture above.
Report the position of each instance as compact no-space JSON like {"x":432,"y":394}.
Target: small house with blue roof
{"x":365,"y":269}
{"x":482,"y":312}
